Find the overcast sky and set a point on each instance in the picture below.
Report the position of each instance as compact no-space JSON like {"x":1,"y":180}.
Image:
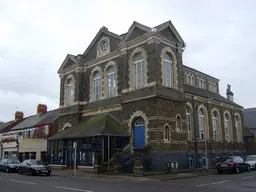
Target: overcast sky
{"x":36,"y":35}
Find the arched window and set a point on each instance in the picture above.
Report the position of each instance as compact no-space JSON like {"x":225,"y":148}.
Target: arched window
{"x":193,"y":80}
{"x":111,"y":73}
{"x":168,"y":70}
{"x":227,"y":127}
{"x":189,"y":80}
{"x":188,"y":123}
{"x":139,"y":70}
{"x":185,"y":79}
{"x":237,"y":126}
{"x":139,"y":121}
{"x":70,"y":91}
{"x":215,"y":125}
{"x":166,"y":133}
{"x":202,"y":124}
{"x":96,"y":85}
{"x":178,"y":123}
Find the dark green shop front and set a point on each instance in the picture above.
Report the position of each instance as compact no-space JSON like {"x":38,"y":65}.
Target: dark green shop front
{"x":100,"y":134}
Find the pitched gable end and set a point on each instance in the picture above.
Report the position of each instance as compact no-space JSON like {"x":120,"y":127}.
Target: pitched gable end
{"x":168,"y":31}
{"x":102,"y":32}
{"x":136,"y":30}
{"x":68,"y":62}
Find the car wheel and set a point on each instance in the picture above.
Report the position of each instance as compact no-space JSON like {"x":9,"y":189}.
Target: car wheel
{"x":237,"y":170}
{"x":31,"y":172}
{"x":249,"y":168}
{"x":48,"y":174}
{"x":20,"y":172}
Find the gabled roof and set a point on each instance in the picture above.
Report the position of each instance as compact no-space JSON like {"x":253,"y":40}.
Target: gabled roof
{"x":132,"y":27}
{"x":102,"y":124}
{"x":68,"y":57}
{"x":5,"y":127}
{"x":37,"y":120}
{"x":173,"y":29}
{"x":102,"y":30}
{"x":207,"y":94}
{"x":250,"y":118}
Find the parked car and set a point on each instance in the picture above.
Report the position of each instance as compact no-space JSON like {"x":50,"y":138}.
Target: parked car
{"x":9,"y":165}
{"x":232,"y":164}
{"x":251,"y":160}
{"x":34,"y":167}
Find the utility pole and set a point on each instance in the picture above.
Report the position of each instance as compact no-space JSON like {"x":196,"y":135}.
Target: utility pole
{"x":206,"y":154}
{"x":195,"y":134}
{"x":75,"y":147}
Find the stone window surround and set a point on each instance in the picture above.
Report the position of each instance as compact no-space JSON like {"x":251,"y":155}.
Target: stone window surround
{"x":95,"y":69}
{"x":166,"y":125}
{"x":240,"y":126}
{"x":190,"y":108}
{"x":99,"y":53}
{"x":180,"y":122}
{"x":108,"y":65}
{"x":189,"y":79}
{"x":168,"y":50}
{"x":70,"y":76}
{"x":131,"y":69}
{"x":66,"y":125}
{"x":203,"y":86}
{"x":219,"y":131}
{"x":230,"y":125}
{"x":206,"y":121}
{"x":130,"y":126}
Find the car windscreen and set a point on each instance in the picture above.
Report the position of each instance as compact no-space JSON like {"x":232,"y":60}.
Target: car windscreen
{"x":35,"y":162}
{"x":250,"y":158}
{"x":225,"y":160}
{"x":13,"y":161}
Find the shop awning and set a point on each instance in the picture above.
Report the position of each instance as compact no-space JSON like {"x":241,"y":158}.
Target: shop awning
{"x":98,"y":125}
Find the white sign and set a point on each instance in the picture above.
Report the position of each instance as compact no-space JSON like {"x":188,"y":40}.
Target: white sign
{"x":75,"y":145}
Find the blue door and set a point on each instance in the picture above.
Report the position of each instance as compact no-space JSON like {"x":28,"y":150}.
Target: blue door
{"x":139,"y":136}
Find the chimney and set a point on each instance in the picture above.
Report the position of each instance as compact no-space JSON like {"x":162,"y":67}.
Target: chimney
{"x":41,"y":108}
{"x":229,"y":93}
{"x":19,"y":115}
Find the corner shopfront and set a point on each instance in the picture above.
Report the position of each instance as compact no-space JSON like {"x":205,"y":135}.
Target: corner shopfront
{"x":97,"y":139}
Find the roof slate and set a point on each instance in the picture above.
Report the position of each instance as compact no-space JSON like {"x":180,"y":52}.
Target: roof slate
{"x":36,"y":120}
{"x":207,"y":94}
{"x":103,"y":124}
{"x":5,"y":127}
{"x":250,"y":118}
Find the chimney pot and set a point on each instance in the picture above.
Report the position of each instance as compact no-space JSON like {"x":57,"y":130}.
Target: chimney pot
{"x":19,"y":115}
{"x":41,"y":108}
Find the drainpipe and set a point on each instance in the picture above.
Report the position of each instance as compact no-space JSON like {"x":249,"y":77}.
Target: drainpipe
{"x":194,"y":121}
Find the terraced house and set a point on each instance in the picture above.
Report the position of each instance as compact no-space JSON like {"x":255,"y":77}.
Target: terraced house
{"x":129,"y":101}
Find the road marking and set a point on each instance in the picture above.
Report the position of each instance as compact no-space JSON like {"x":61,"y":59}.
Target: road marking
{"x":248,"y":177}
{"x":72,"y":189}
{"x":214,"y":183}
{"x":26,"y":182}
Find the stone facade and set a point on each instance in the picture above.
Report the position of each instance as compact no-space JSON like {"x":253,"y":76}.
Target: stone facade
{"x":161,"y":107}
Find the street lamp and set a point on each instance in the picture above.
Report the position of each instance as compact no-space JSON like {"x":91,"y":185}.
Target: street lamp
{"x":206,"y":154}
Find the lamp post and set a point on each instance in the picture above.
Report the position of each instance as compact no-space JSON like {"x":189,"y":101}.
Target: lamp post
{"x":206,"y":155}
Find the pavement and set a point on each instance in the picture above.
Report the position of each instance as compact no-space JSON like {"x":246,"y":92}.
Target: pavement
{"x":243,"y":182}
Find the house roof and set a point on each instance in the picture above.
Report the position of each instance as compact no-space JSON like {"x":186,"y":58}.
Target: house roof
{"x":250,"y":118}
{"x":36,"y":120}
{"x":207,"y":94}
{"x":102,"y":124}
{"x":195,"y":70}
{"x":9,"y":125}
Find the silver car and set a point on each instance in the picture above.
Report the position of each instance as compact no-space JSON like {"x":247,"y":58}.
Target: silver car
{"x":251,"y":160}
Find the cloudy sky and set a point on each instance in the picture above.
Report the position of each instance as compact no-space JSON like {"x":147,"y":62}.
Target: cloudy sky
{"x":36,"y":35}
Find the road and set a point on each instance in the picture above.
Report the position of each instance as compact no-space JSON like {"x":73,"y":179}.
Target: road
{"x":231,"y":182}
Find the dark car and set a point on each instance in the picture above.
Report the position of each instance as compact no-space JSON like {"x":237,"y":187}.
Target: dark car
{"x":34,"y":167}
{"x":9,"y":165}
{"x":232,"y":164}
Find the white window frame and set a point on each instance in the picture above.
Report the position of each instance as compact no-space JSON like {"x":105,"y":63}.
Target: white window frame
{"x":215,"y":126}
{"x":97,"y":86}
{"x":227,"y":127}
{"x":168,"y":72}
{"x":202,"y":125}
{"x":188,"y":123}
{"x":111,"y":82}
{"x":139,"y":82}
{"x":70,"y":92}
{"x":238,"y":133}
